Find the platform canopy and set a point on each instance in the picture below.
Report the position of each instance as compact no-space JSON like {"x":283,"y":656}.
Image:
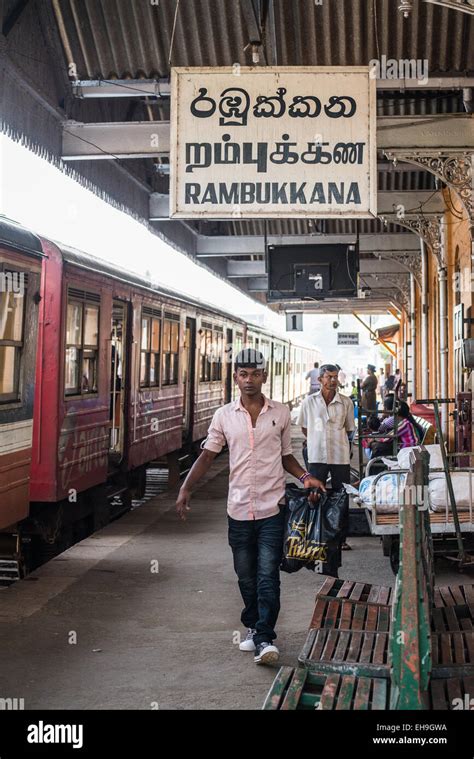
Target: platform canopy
{"x":88,"y":85}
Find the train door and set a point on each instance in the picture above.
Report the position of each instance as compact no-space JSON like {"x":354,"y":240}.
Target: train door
{"x":228,"y":366}
{"x":188,"y":376}
{"x":118,"y":384}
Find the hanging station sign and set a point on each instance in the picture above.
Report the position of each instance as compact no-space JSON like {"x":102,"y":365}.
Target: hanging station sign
{"x":273,"y":142}
{"x":348,"y":338}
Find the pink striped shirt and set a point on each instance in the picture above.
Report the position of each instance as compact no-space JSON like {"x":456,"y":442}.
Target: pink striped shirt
{"x":256,"y":477}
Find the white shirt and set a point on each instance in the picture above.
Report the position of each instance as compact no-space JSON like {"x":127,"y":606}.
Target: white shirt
{"x":313,"y":376}
{"x":327,"y":428}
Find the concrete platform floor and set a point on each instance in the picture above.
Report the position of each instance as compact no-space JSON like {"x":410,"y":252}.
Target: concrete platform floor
{"x":99,"y":628}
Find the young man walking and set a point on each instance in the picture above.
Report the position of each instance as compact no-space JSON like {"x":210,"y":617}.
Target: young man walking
{"x":257,"y":431}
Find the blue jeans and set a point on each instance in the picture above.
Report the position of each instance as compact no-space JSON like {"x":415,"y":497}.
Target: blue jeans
{"x":257,"y":547}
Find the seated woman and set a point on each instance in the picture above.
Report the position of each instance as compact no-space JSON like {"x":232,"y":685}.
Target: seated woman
{"x":407,"y":429}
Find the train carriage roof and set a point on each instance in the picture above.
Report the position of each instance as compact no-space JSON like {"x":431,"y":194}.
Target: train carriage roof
{"x":15,"y":236}
{"x":98,"y":265}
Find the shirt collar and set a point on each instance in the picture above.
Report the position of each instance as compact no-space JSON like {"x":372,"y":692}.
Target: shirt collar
{"x":268,"y":403}
{"x":337,"y":398}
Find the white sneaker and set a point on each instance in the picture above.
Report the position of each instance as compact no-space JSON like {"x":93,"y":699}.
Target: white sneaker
{"x":266,"y":653}
{"x":247,"y":644}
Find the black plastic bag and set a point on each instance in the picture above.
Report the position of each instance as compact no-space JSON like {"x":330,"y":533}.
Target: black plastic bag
{"x":313,"y":530}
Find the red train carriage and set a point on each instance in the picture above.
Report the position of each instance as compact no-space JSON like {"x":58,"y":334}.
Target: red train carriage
{"x":128,"y":374}
{"x":20,"y":273}
{"x":125,"y":374}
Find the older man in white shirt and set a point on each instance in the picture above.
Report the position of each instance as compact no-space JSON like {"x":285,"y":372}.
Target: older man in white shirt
{"x":327,"y":421}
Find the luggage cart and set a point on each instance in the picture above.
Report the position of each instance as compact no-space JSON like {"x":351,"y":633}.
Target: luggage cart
{"x":452,"y":528}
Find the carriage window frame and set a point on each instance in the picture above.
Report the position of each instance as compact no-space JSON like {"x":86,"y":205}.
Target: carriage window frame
{"x":93,"y":301}
{"x":211,"y":351}
{"x":17,"y":345}
{"x":278,"y":360}
{"x":151,"y":316}
{"x":170,"y":351}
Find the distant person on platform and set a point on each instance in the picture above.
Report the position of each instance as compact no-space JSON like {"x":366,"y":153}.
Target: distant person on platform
{"x":369,"y":389}
{"x":341,"y":378}
{"x":353,"y":391}
{"x":382,"y":378}
{"x":397,"y":385}
{"x":327,"y":422}
{"x":313,"y":377}
{"x":257,"y":432}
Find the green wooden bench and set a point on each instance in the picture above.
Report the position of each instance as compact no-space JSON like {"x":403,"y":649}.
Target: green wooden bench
{"x":362,"y":652}
{"x":301,"y":689}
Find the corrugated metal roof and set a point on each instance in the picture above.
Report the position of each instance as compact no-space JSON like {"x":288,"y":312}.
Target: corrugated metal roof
{"x":145,"y":38}
{"x":133,"y":37}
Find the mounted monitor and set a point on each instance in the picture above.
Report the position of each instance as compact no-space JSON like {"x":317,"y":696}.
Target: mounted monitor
{"x":312,"y":272}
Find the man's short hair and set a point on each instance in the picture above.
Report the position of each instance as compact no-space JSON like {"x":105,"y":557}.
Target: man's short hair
{"x":316,"y":364}
{"x":249,"y":358}
{"x":328,"y":368}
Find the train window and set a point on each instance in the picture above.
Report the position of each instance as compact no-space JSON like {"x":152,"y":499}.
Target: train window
{"x":278,"y":360}
{"x":11,"y":344}
{"x":238,"y":343}
{"x":216,"y":356}
{"x":170,"y":356}
{"x":82,"y":348}
{"x":150,"y":352}
{"x":211,"y":352}
{"x":206,"y":355}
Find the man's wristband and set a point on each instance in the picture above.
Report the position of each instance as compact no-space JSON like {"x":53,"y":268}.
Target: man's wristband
{"x":304,"y":476}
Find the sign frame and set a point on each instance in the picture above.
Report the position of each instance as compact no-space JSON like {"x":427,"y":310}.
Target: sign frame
{"x":175,"y":212}
{"x":345,"y":334}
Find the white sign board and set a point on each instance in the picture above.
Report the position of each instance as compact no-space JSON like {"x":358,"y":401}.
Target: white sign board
{"x":348,"y":338}
{"x":273,"y":142}
{"x":294,"y":322}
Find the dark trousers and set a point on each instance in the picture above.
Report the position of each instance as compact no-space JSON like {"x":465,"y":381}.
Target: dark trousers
{"x":257,"y":547}
{"x":340,"y":473}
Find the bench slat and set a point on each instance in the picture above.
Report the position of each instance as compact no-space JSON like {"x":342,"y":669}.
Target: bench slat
{"x":346,"y":691}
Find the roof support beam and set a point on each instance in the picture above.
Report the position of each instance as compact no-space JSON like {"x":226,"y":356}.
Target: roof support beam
{"x":247,"y":245}
{"x":431,"y":83}
{"x":161,"y":88}
{"x":140,"y":139}
{"x":257,"y":284}
{"x":453,"y":132}
{"x":368,"y":267}
{"x":236,"y":269}
{"x":121,"y":88}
